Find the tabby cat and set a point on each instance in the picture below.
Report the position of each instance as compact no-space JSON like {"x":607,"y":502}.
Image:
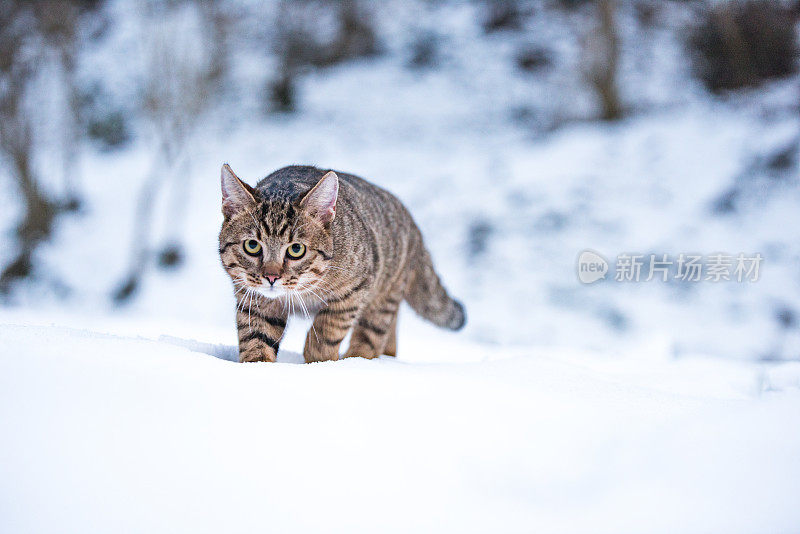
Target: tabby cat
{"x":331,"y":245}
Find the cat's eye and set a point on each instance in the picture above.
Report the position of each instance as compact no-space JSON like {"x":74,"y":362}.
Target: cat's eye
{"x":296,"y":251}
{"x":252,"y":247}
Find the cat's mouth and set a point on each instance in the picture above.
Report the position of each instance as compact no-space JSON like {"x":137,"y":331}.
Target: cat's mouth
{"x":277,"y":289}
{"x":271,"y":291}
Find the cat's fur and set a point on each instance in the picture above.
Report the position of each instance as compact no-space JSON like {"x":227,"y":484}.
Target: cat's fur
{"x":363,"y":256}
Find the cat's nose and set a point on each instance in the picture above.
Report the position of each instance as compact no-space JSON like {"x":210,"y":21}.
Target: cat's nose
{"x":271,"y":278}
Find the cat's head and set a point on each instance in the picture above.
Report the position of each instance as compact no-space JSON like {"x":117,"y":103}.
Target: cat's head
{"x":277,"y":246}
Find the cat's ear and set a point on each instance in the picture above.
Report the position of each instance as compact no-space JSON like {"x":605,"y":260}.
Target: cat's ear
{"x":321,"y":200}
{"x":236,"y":195}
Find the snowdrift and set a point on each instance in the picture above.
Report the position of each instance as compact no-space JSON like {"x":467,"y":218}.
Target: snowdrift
{"x":110,"y":434}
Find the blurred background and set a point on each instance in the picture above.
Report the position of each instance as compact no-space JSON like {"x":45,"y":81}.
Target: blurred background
{"x":518,"y":133}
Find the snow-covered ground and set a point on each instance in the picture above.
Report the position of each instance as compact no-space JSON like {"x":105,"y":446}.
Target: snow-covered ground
{"x":120,"y":434}
{"x":561,"y":407}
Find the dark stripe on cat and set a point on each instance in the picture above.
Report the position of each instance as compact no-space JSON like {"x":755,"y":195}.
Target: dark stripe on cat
{"x":241,"y":325}
{"x":341,"y":323}
{"x":264,"y":338}
{"x":362,"y":337}
{"x":325,"y":257}
{"x":273,"y":321}
{"x":284,"y":228}
{"x":265,"y":208}
{"x":370,"y":326}
{"x":304,"y":262}
{"x":361,"y":285}
{"x":375,"y":257}
{"x":331,"y":342}
{"x":224,"y":247}
{"x":331,"y":311}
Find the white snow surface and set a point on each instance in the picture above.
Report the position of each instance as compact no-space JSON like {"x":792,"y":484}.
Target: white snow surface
{"x":106,"y":433}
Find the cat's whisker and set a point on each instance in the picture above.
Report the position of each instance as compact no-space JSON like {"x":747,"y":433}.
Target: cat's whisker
{"x":324,"y":290}
{"x":249,"y":308}
{"x":322,"y":284}
{"x":304,"y":287}
{"x":318,"y":283}
{"x":257,"y":298}
{"x":327,"y":291}
{"x":301,"y":304}
{"x":337,"y":268}
{"x":322,"y":300}
{"x":240,"y":303}
{"x":308,"y":316}
{"x":313,"y":329}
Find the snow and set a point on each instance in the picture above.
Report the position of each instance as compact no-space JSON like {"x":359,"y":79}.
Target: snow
{"x":107,"y":433}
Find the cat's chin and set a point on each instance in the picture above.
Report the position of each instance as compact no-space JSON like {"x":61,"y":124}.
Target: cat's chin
{"x":272,"y":292}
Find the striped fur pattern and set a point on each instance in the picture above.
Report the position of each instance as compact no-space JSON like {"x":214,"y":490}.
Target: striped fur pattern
{"x":362,"y":256}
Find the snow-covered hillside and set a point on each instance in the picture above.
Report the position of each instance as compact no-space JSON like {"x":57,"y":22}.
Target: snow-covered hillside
{"x":505,"y":206}
{"x":118,"y":434}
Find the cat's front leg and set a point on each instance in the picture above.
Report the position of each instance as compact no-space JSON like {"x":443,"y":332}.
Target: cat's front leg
{"x":261,"y":323}
{"x":375,"y":331}
{"x":329,"y":329}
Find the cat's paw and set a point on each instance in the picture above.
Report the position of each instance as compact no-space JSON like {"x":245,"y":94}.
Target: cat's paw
{"x":366,"y":353}
{"x":256,"y":356}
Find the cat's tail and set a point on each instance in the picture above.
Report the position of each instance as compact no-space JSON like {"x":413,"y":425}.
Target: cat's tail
{"x":428,"y":298}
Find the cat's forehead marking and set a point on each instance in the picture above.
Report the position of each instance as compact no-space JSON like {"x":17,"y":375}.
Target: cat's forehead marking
{"x":277,"y":217}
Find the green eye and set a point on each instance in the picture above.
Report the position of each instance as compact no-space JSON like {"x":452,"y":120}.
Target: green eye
{"x":296,"y":250}
{"x":252,"y":247}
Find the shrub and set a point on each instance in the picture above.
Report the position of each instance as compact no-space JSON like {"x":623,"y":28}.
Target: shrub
{"x":502,"y":15}
{"x":532,"y":59}
{"x":109,"y":129}
{"x":299,"y":47}
{"x":479,"y":234}
{"x":424,"y":51}
{"x":743,"y":43}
